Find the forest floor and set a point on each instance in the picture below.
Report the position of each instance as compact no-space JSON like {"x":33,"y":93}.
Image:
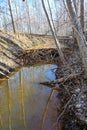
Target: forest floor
{"x":24,"y":49}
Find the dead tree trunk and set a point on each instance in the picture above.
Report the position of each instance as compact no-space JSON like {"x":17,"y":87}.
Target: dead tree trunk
{"x":9,"y":3}
{"x":82,"y":14}
{"x":79,"y":33}
{"x":54,"y":34}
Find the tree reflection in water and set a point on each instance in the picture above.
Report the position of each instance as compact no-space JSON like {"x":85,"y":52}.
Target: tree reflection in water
{"x":23,"y":99}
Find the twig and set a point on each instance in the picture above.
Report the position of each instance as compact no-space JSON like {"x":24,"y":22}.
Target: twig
{"x":65,"y":87}
{"x":65,"y":107}
{"x":64,"y":79}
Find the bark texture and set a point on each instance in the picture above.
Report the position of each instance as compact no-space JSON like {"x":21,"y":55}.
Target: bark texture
{"x":79,"y":33}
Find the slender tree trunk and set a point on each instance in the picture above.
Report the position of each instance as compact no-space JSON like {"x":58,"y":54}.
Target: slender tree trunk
{"x":82,"y":14}
{"x":21,"y":25}
{"x":28,"y":13}
{"x":75,"y":5}
{"x":51,"y":14}
{"x":79,"y":33}
{"x":5,"y":22}
{"x":54,"y":34}
{"x":9,"y":3}
{"x":17,"y":25}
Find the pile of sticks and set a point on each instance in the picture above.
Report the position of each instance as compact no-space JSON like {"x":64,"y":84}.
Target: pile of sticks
{"x":37,"y":55}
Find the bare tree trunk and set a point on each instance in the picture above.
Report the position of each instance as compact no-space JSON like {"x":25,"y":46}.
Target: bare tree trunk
{"x":21,"y":25}
{"x":82,"y":14}
{"x":79,"y":33}
{"x":75,"y":5}
{"x":5,"y":22}
{"x":51,"y":14}
{"x":54,"y":34}
{"x":9,"y":3}
{"x":28,"y":13}
{"x":16,"y":22}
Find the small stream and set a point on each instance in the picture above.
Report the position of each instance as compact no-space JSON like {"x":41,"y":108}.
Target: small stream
{"x":23,"y":99}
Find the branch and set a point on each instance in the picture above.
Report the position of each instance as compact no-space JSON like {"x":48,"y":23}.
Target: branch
{"x":64,"y":79}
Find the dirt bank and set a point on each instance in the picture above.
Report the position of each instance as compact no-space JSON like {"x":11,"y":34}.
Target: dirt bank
{"x":17,"y":50}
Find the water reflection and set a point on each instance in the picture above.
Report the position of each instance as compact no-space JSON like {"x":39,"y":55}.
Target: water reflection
{"x":22,"y":99}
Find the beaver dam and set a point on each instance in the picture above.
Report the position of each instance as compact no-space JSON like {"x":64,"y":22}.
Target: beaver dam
{"x":37,"y":92}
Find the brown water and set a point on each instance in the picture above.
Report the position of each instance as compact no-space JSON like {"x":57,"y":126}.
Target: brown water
{"x":23,"y":99}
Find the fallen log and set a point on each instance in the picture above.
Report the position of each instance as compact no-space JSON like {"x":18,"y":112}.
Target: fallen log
{"x":64,"y":79}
